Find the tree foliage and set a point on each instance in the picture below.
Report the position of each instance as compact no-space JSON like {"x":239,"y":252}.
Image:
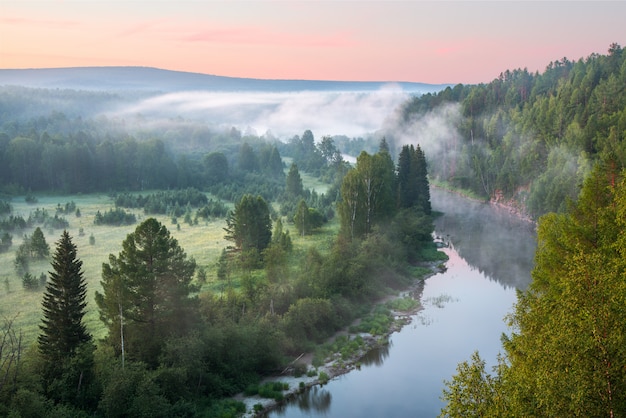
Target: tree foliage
{"x":63,"y":330}
{"x":531,"y":137}
{"x":249,"y":226}
{"x":566,"y":354}
{"x":146,"y":292}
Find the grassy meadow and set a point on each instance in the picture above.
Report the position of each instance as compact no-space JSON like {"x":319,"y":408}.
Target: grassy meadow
{"x":204,"y":242}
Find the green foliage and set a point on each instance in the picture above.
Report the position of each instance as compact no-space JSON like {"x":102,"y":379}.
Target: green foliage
{"x":271,"y":390}
{"x":115,"y":217}
{"x":34,"y":247}
{"x":248,"y":226}
{"x":529,"y":137}
{"x":5,"y":208}
{"x":216,"y":165}
{"x":565,"y":356}
{"x":293,"y":186}
{"x":12,"y":223}
{"x":148,"y":285}
{"x":30,"y":282}
{"x":376,"y":323}
{"x":171,"y":202}
{"x":310,"y":319}
{"x":323,"y":378}
{"x":64,"y":303}
{"x":404,"y":304}
{"x":37,"y":246}
{"x":472,"y":392}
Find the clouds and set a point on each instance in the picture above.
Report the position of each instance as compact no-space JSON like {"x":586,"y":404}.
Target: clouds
{"x":284,"y":114}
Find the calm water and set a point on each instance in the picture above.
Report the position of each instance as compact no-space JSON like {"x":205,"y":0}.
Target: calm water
{"x":490,"y":256}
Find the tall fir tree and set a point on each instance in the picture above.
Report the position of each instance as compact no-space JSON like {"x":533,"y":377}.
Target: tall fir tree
{"x":419,"y":170}
{"x":64,"y":343}
{"x":63,"y":330}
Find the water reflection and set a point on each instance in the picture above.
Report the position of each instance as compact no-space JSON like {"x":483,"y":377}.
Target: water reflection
{"x":499,"y":245}
{"x":314,"y":399}
{"x":377,"y":356}
{"x":490,"y":254}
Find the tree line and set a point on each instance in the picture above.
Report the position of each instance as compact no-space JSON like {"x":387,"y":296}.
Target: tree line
{"x":530,"y":137}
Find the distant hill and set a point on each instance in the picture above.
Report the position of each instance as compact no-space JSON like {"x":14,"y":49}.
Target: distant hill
{"x":158,"y":80}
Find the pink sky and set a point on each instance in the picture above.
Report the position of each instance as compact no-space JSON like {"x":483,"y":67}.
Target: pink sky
{"x":410,"y":40}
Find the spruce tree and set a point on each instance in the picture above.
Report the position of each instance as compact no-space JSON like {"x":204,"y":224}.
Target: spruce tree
{"x":62,"y":330}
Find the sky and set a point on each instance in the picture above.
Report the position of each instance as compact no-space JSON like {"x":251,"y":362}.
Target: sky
{"x":421,"y":41}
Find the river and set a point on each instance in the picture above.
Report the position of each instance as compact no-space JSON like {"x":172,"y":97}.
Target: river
{"x":491,"y":254}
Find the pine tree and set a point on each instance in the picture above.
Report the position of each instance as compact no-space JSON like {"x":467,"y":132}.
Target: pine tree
{"x":249,"y":226}
{"x":39,"y":248}
{"x":293,"y":185}
{"x":64,"y":342}
{"x":63,"y":331}
{"x":419,"y":170}
{"x":147,"y":288}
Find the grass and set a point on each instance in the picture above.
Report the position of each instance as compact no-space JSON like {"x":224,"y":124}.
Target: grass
{"x":204,"y":242}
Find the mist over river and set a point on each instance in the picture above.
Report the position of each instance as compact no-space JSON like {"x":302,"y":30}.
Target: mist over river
{"x":491,"y":254}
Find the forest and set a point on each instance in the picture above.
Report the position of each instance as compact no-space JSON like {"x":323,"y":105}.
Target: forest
{"x":524,"y":139}
{"x":564,"y":352}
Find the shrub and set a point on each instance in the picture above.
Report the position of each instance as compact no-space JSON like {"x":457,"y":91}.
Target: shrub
{"x":299,"y":369}
{"x":115,"y":217}
{"x":324,"y":378}
{"x":29,"y":281}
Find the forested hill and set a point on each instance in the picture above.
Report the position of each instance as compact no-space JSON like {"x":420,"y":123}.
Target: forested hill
{"x":154,"y":79}
{"x":531,"y":137}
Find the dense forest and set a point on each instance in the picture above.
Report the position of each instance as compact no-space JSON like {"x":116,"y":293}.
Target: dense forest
{"x":530,"y":138}
{"x":564,"y":354}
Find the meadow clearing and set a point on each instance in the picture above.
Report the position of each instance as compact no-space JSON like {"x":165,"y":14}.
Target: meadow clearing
{"x":203,"y":241}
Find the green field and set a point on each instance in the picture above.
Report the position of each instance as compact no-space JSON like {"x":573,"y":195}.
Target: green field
{"x":204,"y":242}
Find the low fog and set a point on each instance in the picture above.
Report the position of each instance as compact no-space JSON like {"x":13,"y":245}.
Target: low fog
{"x":283,"y":114}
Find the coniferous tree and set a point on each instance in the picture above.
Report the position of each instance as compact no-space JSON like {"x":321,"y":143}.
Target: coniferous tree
{"x":420,"y":175}
{"x":301,"y":218}
{"x":146,"y":292}
{"x":64,"y":342}
{"x":294,"y":186}
{"x":39,"y":248}
{"x":249,"y":226}
{"x":63,"y":330}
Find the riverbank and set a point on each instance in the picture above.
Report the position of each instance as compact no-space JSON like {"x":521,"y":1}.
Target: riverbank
{"x":514,"y":205}
{"x":303,"y":374}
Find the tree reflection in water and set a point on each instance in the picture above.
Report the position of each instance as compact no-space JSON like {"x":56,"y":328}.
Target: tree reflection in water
{"x":315,"y":399}
{"x":377,"y":356}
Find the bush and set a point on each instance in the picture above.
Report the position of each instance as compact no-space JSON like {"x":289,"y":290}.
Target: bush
{"x":324,"y":378}
{"x":30,"y":282}
{"x":403,"y":304}
{"x":115,"y":217}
